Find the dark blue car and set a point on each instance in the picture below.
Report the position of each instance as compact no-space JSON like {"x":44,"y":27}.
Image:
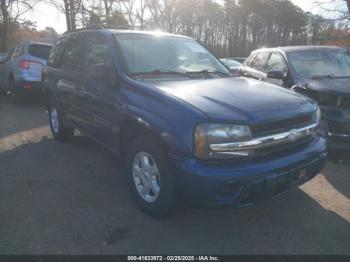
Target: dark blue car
{"x":319,"y":72}
{"x":184,"y":127}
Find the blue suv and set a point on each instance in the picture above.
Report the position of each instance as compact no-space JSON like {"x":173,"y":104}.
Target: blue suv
{"x":20,"y":72}
{"x":184,"y":127}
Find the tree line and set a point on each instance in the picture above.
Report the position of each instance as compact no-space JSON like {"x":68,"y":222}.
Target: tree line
{"x":227,"y":27}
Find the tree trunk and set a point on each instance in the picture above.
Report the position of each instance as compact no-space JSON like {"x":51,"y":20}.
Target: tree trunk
{"x":66,"y":10}
{"x":6,"y":26}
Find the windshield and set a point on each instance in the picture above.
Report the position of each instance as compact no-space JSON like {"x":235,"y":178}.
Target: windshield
{"x":312,"y":64}
{"x":167,"y":54}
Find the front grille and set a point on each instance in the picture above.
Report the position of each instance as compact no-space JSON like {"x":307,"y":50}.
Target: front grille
{"x":281,"y":125}
{"x":283,"y":148}
{"x":339,"y":128}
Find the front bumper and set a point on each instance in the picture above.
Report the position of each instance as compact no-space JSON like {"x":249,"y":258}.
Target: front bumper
{"x":245,"y":182}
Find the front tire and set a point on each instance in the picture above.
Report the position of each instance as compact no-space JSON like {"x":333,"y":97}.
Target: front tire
{"x":59,"y":130}
{"x":150,"y":178}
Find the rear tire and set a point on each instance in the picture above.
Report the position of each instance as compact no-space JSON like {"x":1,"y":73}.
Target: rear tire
{"x":59,"y":130}
{"x":150,"y":177}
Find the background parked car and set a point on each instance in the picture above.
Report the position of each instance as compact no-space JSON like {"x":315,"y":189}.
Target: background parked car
{"x":2,"y":57}
{"x":21,"y":71}
{"x":238,"y":59}
{"x":320,"y":72}
{"x":233,"y":65}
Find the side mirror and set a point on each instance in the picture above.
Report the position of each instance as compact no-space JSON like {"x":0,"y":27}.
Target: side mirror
{"x":100,"y":72}
{"x":301,"y":89}
{"x":275,"y":74}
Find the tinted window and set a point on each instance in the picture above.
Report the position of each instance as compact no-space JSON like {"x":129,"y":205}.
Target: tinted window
{"x":320,"y":63}
{"x":96,"y":52}
{"x":40,"y":51}
{"x":259,"y":61}
{"x":276,"y":63}
{"x":56,"y":52}
{"x":70,"y":59}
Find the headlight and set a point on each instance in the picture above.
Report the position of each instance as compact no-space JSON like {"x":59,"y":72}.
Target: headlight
{"x":208,"y":134}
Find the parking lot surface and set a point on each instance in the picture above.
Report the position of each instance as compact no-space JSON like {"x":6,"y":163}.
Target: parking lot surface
{"x":73,"y":198}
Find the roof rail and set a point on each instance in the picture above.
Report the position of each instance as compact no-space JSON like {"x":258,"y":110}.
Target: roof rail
{"x":123,"y":27}
{"x":119,"y":27}
{"x":84,"y":29}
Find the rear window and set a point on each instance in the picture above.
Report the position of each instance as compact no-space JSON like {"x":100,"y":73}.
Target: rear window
{"x":40,"y":51}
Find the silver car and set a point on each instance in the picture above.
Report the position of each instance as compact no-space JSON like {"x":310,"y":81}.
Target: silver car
{"x":20,"y":73}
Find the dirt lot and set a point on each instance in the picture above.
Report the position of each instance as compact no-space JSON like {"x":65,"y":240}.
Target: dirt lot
{"x":72,"y":198}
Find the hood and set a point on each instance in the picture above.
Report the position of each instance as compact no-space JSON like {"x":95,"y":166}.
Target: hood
{"x":336,"y":86}
{"x":238,"y":99}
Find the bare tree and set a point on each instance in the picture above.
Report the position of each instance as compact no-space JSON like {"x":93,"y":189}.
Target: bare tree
{"x":340,"y":7}
{"x":11,"y":12}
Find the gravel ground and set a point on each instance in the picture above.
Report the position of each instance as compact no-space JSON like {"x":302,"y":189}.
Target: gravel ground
{"x":73,"y":198}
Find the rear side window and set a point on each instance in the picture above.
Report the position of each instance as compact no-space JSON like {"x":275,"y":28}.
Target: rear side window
{"x":96,"y":52}
{"x":70,"y":58}
{"x":57,"y":52}
{"x":259,"y":61}
{"x":40,"y":51}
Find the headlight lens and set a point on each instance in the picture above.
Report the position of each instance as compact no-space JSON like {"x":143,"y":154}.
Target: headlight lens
{"x":207,"y":134}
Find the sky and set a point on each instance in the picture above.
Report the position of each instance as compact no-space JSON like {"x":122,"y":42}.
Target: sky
{"x":46,"y":15}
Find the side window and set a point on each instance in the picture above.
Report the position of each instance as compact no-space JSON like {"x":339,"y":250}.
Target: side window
{"x":276,"y":63}
{"x":249,"y":60}
{"x":259,"y":61}
{"x":71,"y":54}
{"x":57,"y":52}
{"x":96,"y":53}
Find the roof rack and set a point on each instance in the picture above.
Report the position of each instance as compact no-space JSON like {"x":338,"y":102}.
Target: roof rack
{"x":84,"y":29}
{"x":121,"y":27}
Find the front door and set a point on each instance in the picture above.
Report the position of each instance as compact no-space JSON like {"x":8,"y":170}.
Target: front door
{"x":276,"y":63}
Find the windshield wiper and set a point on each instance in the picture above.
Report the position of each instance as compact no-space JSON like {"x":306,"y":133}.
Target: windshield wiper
{"x":161,"y":72}
{"x":207,"y":71}
{"x":342,"y":76}
{"x":323,"y":76}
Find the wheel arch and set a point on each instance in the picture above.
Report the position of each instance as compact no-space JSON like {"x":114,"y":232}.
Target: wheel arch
{"x":133,"y":127}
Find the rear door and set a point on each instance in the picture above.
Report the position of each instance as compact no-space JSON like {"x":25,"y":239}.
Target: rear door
{"x":69,"y":79}
{"x":99,"y":97}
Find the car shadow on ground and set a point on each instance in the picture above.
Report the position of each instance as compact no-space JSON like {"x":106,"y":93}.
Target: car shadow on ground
{"x":27,"y":116}
{"x":73,"y":198}
{"x":338,"y":175}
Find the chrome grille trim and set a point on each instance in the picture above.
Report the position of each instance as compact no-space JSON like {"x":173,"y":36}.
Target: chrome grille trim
{"x":293,"y":135}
